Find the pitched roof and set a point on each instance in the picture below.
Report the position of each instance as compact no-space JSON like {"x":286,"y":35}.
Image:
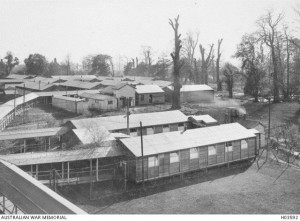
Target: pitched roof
{"x":250,"y":124}
{"x":205,"y":118}
{"x":75,"y":77}
{"x":22,"y":159}
{"x":159,"y":83}
{"x":43,"y":80}
{"x":42,"y":132}
{"x":92,"y":135}
{"x":120,"y":122}
{"x":68,"y":98}
{"x":100,"y":97}
{"x":193,"y":87}
{"x":11,"y":81}
{"x":177,"y":140}
{"x":148,"y":89}
{"x":19,"y":76}
{"x":80,"y":84}
{"x":36,"y":85}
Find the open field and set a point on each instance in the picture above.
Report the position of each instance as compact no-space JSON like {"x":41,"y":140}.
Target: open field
{"x":273,"y":189}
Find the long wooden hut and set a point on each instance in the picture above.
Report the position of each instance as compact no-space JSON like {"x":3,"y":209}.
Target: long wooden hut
{"x":177,"y":152}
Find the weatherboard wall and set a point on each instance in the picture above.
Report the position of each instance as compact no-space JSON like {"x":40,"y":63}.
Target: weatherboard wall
{"x":165,"y":164}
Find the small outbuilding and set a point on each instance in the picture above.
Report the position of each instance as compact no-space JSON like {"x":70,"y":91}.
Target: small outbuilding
{"x":202,"y":121}
{"x":71,"y":104}
{"x":192,"y":93}
{"x":149,"y":94}
{"x":121,"y":91}
{"x":100,"y":102}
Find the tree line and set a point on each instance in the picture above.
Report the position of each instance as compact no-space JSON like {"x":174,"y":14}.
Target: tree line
{"x":37,"y":65}
{"x":270,"y":61}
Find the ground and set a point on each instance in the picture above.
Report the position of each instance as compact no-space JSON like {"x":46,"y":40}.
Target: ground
{"x":273,"y":189}
{"x":39,"y":117}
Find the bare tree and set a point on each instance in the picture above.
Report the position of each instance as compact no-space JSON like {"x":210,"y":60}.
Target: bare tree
{"x":205,"y":63}
{"x":189,"y":47}
{"x":96,"y":136}
{"x":177,"y":64}
{"x":219,"y":83}
{"x":230,"y":72}
{"x":268,"y":30}
{"x":288,"y":53}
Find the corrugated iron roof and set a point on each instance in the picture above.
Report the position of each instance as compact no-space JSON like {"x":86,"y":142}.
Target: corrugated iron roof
{"x":42,"y":132}
{"x":9,"y":105}
{"x":193,"y":87}
{"x":101,"y":97}
{"x":120,"y":122}
{"x":148,"y":89}
{"x":36,"y":85}
{"x":93,"y":135}
{"x":68,"y":98}
{"x":23,"y":159}
{"x":11,"y":81}
{"x":159,"y":83}
{"x":43,"y":80}
{"x":205,"y":118}
{"x":178,"y":140}
{"x":63,"y":93}
{"x":80,"y":84}
{"x":74,"y":77}
{"x":19,"y":76}
{"x":254,"y":131}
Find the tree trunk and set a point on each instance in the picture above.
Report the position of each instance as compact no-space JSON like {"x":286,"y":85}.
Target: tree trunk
{"x":176,"y":65}
{"x":275,"y":77}
{"x":219,"y":83}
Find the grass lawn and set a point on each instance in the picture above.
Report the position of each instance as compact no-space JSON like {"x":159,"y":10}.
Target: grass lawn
{"x":273,"y":189}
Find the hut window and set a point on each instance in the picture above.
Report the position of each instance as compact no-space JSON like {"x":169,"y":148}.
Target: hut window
{"x":244,"y":144}
{"x":152,"y":162}
{"x":193,"y":153}
{"x":228,"y":146}
{"x":110,"y":102}
{"x":211,"y":150}
{"x":174,"y":157}
{"x":142,"y":97}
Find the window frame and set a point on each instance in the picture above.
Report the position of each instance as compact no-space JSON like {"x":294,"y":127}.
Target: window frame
{"x":214,"y":150}
{"x":154,"y":163}
{"x":192,"y":155}
{"x":172,"y":158}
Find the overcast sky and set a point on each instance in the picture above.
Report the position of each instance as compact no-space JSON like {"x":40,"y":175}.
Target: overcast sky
{"x":56,"y":28}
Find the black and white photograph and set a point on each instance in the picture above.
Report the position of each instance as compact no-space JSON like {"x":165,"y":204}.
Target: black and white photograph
{"x":149,"y":107}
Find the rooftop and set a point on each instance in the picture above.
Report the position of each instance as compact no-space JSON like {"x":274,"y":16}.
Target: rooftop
{"x":178,"y":140}
{"x":96,"y":96}
{"x":120,"y":122}
{"x":20,"y":76}
{"x":147,"y":89}
{"x":194,"y":87}
{"x":249,"y":123}
{"x":93,"y":135}
{"x":80,"y":84}
{"x":42,"y":132}
{"x":68,"y":98}
{"x":205,"y":118}
{"x":22,"y":159}
{"x":36,"y":85}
